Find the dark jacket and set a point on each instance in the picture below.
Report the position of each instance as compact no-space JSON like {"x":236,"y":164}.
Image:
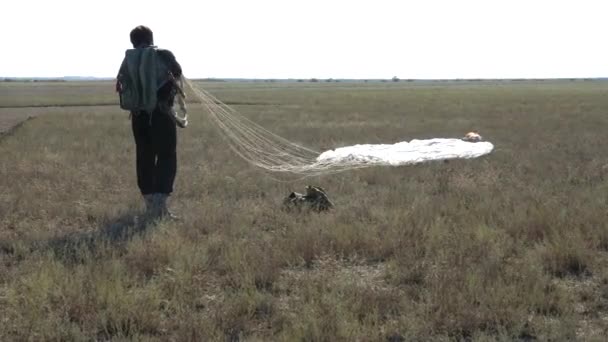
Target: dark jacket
{"x":166,"y":93}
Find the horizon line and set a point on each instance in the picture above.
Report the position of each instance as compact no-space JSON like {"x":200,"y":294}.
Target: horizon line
{"x":394,"y":78}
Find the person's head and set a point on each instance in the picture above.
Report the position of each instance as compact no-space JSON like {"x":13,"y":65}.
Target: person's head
{"x":141,"y":35}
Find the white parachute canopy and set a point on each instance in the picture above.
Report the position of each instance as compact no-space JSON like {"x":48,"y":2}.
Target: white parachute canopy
{"x":273,"y":153}
{"x":405,"y":153}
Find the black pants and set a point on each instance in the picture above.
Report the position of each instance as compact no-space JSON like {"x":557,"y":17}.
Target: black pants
{"x":156,"y":143}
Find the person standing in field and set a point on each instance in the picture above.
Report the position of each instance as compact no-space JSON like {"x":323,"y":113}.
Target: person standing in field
{"x":147,"y":85}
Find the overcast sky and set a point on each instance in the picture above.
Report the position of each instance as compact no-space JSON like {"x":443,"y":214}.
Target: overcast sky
{"x":313,"y":38}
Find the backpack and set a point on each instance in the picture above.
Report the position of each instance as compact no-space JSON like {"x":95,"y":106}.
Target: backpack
{"x":141,"y":74}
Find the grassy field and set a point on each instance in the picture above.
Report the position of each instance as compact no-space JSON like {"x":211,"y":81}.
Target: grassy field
{"x":511,"y":246}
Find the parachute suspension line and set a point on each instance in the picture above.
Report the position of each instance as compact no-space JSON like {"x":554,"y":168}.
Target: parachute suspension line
{"x":262,"y":148}
{"x":268,"y":151}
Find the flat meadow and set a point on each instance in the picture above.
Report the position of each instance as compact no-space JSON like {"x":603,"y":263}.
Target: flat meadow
{"x":509,"y":246}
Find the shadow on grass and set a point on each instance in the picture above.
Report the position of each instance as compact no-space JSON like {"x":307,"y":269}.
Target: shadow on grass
{"x":111,"y":237}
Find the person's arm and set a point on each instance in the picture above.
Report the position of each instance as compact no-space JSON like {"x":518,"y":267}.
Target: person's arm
{"x":172,"y":64}
{"x":121,"y":72}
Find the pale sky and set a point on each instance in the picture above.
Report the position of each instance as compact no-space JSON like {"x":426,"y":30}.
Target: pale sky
{"x":312,"y":38}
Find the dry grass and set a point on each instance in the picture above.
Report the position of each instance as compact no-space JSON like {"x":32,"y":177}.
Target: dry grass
{"x":510,"y":246}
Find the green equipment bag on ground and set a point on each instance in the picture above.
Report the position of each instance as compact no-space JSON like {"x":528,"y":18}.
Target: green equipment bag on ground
{"x":141,"y":74}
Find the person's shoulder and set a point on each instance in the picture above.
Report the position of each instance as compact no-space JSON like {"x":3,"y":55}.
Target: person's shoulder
{"x":166,"y":52}
{"x":168,"y":57}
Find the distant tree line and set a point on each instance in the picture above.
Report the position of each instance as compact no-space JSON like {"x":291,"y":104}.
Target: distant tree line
{"x":19,"y":79}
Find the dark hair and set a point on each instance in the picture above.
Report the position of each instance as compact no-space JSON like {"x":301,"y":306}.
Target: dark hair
{"x":141,"y":35}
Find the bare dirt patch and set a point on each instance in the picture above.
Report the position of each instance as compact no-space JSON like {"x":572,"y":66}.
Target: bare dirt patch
{"x":10,"y":118}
